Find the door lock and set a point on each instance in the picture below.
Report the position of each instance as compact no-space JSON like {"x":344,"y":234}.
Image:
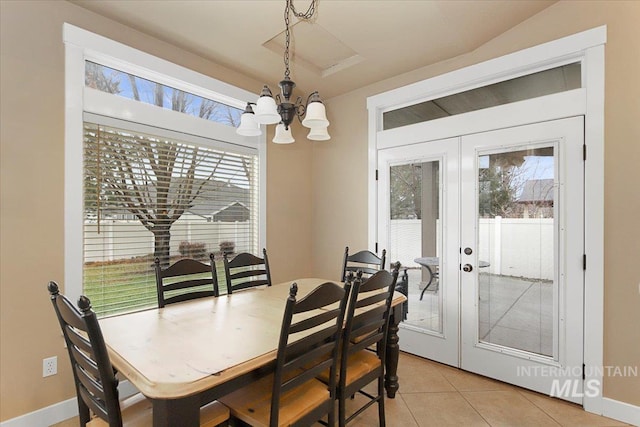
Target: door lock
{"x":468,"y":251}
{"x":467,"y":267}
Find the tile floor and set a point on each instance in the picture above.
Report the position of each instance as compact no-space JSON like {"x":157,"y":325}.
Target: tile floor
{"x":432,"y":394}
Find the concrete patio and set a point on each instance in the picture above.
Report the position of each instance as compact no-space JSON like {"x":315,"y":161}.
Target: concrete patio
{"x":514,"y":312}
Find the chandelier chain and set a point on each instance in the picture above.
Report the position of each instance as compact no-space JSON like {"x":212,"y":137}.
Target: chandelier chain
{"x":287,"y":34}
{"x":308,"y":14}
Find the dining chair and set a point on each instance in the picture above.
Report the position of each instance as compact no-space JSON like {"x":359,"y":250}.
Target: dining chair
{"x":308,"y":344}
{"x":365,"y":261}
{"x":95,"y":378}
{"x":246,"y":270}
{"x":191,"y":282}
{"x":366,"y":326}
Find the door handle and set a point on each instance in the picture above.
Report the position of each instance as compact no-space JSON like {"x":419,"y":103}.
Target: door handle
{"x":467,"y":267}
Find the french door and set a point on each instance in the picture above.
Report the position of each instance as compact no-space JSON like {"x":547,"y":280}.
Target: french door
{"x":490,"y":229}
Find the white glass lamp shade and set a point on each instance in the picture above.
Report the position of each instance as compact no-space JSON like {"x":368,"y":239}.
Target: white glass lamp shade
{"x":248,"y":125}
{"x":266,"y":111}
{"x":319,"y":134}
{"x":316,"y":116}
{"x":283,"y":136}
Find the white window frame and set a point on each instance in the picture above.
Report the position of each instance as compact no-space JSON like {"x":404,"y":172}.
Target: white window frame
{"x":81,"y":46}
{"x":586,"y":47}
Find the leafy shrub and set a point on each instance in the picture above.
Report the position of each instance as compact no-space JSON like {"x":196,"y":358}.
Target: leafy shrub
{"x":195,"y":250}
{"x":227,"y":247}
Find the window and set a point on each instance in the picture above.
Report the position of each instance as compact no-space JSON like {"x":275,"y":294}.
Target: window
{"x":127,"y":85}
{"x":554,"y":80}
{"x":144,"y":182}
{"x":148,"y":196}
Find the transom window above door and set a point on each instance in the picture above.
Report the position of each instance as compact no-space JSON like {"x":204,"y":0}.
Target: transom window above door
{"x":547,"y":82}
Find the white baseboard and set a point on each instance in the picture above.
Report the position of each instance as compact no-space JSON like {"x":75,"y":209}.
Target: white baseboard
{"x":59,"y":411}
{"x":621,"y":411}
{"x":46,"y":416}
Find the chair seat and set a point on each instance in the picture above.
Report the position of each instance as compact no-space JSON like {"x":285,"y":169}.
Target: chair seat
{"x":252,"y":404}
{"x":359,"y":364}
{"x":137,"y":411}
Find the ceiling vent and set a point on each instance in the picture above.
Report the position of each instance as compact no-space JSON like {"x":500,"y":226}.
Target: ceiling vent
{"x":320,"y":51}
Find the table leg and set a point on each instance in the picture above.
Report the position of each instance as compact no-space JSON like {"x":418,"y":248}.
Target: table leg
{"x":183,"y":412}
{"x":428,"y":284}
{"x":392,"y":353}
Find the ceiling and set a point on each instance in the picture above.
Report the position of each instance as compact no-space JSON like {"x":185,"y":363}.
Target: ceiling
{"x":349,"y":43}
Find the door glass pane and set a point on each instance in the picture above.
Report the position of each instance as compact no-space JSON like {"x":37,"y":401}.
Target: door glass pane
{"x":517,"y":201}
{"x":415,"y":230}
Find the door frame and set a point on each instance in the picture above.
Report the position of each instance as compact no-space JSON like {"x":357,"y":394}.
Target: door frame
{"x":586,"y":47}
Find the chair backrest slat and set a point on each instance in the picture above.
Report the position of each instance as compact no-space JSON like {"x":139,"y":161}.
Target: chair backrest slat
{"x":96,"y":407}
{"x":305,"y":360}
{"x":86,"y":362}
{"x":373,"y":299}
{"x":189,"y":271}
{"x":79,"y":340}
{"x":246,"y":266}
{"x":312,"y":322}
{"x":194,"y":283}
{"x":185,"y":266}
{"x":89,"y":382}
{"x":245,"y":259}
{"x":367,"y":342}
{"x":248,"y":273}
{"x":308,"y":374}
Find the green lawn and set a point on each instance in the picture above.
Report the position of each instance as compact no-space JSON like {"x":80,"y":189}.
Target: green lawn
{"x":127,"y":286}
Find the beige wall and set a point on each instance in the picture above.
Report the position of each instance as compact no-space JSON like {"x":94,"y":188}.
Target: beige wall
{"x":340,"y":181}
{"x":32,"y":180}
{"x":311,"y":216}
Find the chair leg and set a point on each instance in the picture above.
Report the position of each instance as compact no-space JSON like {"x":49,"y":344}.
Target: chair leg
{"x":331,"y":418}
{"x":381,"y":415}
{"x":83,"y":413}
{"x":342,"y":413}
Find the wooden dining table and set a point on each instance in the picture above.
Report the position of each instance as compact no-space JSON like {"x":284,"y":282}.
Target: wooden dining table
{"x":186,"y":355}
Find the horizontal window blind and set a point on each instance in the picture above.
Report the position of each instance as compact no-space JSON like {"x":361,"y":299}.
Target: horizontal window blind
{"x":148,"y":196}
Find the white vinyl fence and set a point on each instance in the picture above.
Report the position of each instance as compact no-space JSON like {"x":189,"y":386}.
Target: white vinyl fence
{"x":125,"y":239}
{"x":518,"y":247}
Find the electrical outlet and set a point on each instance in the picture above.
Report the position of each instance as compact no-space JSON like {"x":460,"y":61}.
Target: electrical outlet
{"x":49,"y":366}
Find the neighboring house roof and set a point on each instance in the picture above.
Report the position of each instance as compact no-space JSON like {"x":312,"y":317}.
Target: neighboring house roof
{"x":537,"y":190}
{"x":218,"y":200}
{"x":235,"y":211}
{"x":218,"y":196}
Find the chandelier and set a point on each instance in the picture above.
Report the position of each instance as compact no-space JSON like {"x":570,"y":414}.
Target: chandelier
{"x":281,"y":110}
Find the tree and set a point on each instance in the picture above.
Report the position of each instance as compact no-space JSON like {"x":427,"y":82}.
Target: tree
{"x":503,"y":179}
{"x":156,"y":180}
{"x":497,"y":194}
{"x":153,"y":179}
{"x":406,"y":191}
